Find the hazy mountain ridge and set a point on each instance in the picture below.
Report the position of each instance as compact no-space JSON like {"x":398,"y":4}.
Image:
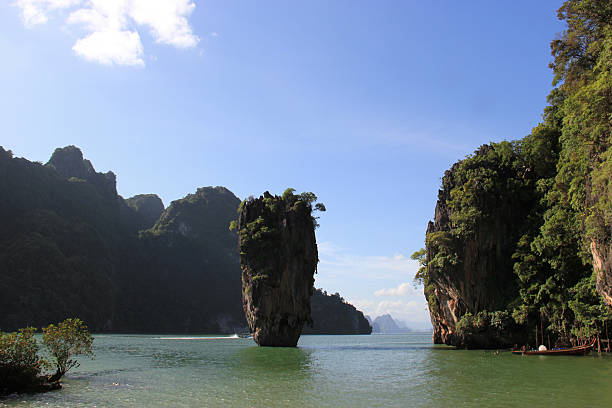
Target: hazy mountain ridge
{"x":71,"y":246}
{"x":385,"y":324}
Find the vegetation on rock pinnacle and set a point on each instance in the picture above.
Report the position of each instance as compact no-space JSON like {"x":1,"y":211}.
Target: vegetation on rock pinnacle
{"x":278,"y":257}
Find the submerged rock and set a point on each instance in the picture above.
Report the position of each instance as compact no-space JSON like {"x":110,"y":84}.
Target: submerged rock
{"x":278,"y":257}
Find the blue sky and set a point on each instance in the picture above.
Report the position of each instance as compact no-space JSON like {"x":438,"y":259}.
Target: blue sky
{"x":364,"y":103}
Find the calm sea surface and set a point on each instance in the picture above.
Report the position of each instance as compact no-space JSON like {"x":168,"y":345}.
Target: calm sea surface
{"x":324,"y":371}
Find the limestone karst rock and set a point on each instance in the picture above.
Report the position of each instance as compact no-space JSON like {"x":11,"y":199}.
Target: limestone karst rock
{"x":69,"y":162}
{"x":278,"y":257}
{"x":473,"y":272}
{"x":602,"y":263}
{"x":148,"y":209}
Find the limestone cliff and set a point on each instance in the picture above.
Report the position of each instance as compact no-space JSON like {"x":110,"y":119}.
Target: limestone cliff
{"x":602,"y":263}
{"x":469,"y":266}
{"x":278,"y":257}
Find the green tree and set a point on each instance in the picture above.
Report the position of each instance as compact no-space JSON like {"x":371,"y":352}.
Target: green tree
{"x":67,"y":339}
{"x":583,"y":70}
{"x":20,"y":364}
{"x":421,"y":257}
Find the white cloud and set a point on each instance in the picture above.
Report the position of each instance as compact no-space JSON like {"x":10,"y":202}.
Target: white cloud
{"x":101,"y":15}
{"x":412,"y":312}
{"x":35,"y":12}
{"x":404,"y":289}
{"x":111,"y":36}
{"x":111,"y":48}
{"x":334,"y":260}
{"x":167,"y":20}
{"x":397,"y":308}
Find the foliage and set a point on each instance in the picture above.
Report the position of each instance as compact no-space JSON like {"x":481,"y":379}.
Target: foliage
{"x":67,"y":339}
{"x":465,"y":325}
{"x":583,"y":68}
{"x":421,"y":257}
{"x":554,"y":184}
{"x":260,"y":236}
{"x":497,"y":322}
{"x":21,"y":367}
{"x":20,"y":364}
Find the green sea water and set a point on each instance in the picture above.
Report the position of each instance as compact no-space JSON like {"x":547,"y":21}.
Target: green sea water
{"x":324,"y":371}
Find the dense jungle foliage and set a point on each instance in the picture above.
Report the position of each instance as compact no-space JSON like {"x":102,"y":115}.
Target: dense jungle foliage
{"x":555,"y":185}
{"x":70,"y":245}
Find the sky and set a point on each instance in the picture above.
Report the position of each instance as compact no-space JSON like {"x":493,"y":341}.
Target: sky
{"x":364,"y":103}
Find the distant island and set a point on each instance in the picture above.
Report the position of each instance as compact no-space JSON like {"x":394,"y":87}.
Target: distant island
{"x":72,"y":246}
{"x":385,"y":324}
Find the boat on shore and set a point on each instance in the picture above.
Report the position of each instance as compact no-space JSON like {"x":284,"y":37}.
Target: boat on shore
{"x":572,"y":351}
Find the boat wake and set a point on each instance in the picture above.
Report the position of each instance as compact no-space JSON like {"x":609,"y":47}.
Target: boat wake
{"x":232,"y":337}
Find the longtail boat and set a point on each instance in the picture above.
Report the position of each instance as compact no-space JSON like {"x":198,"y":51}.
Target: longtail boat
{"x":572,"y":351}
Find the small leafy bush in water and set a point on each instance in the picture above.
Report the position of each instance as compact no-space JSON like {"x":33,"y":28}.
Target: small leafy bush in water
{"x":67,"y":339}
{"x":20,"y":364}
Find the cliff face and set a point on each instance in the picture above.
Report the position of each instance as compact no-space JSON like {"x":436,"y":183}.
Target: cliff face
{"x":471,"y":272}
{"x":278,"y":257}
{"x":602,"y":263}
{"x":191,"y":252}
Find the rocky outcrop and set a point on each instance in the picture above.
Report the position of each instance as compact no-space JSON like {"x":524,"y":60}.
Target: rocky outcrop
{"x":68,"y":162}
{"x":194,"y":255}
{"x":148,"y":209}
{"x":203,"y":216}
{"x":278,"y":257}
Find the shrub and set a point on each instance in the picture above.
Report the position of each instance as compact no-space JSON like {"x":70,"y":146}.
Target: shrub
{"x":465,"y":325}
{"x":20,"y":364}
{"x":65,"y":340}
